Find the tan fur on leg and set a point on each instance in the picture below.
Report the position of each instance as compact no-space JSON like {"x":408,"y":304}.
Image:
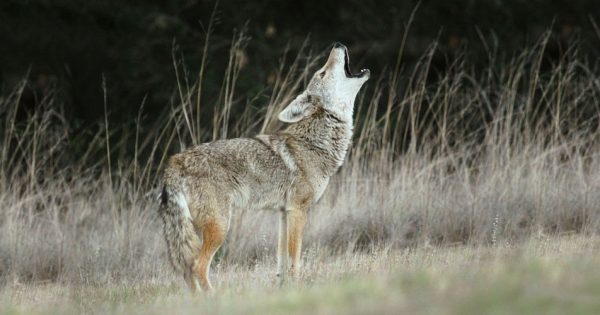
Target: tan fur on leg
{"x":213,"y":235}
{"x":296,"y":222}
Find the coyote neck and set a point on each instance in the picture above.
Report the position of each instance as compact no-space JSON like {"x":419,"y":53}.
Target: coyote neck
{"x":324,"y":136}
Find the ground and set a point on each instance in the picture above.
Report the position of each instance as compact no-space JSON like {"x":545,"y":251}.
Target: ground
{"x":544,"y":275}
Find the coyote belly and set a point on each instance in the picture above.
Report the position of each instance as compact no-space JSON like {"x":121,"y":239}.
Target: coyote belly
{"x":287,"y":171}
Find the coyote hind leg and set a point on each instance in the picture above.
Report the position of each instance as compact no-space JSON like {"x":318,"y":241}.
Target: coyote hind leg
{"x":213,"y":235}
{"x":191,"y":280}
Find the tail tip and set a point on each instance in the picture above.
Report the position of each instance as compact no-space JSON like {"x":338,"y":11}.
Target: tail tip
{"x":163,"y":196}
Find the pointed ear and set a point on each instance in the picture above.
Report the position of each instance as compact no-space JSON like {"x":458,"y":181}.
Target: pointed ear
{"x":297,"y":110}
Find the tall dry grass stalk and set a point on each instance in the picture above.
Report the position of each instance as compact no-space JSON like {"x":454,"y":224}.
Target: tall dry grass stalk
{"x":471,"y":155}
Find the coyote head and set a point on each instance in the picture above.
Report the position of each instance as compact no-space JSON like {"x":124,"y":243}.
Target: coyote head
{"x":334,"y":85}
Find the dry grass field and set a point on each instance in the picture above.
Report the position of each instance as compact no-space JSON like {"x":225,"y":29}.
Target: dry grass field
{"x":468,"y":192}
{"x":544,"y":275}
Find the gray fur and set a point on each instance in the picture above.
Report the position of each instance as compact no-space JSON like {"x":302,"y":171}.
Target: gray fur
{"x":288,"y":170}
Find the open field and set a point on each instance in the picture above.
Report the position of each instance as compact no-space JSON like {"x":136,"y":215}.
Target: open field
{"x":464,"y":192}
{"x":540,"y":276}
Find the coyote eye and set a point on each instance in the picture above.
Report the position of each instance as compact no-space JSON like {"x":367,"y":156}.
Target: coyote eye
{"x":322,"y":74}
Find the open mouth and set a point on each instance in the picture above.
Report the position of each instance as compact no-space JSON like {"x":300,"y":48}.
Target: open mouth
{"x":347,"y":70}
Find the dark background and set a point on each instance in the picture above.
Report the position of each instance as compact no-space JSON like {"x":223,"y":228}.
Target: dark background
{"x":66,"y":46}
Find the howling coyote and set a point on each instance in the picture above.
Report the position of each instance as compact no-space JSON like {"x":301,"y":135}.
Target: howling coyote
{"x":287,"y":171}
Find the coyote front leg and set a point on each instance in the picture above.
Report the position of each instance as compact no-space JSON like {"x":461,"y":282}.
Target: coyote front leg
{"x":296,"y":222}
{"x":282,"y":246}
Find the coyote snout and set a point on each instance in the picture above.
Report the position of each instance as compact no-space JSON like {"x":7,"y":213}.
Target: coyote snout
{"x":334,"y":84}
{"x":288,"y":171}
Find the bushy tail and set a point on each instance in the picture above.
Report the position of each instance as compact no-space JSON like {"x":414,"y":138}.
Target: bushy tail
{"x":183,"y":242}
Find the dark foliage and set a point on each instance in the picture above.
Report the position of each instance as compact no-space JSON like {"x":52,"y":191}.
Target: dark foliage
{"x":67,"y":46}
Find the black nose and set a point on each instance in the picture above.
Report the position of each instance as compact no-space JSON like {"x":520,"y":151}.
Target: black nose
{"x":338,"y":45}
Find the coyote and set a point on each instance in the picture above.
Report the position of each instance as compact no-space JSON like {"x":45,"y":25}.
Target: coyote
{"x":287,"y":171}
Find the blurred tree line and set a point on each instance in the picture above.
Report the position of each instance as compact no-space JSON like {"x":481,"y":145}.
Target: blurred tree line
{"x":68,"y":46}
